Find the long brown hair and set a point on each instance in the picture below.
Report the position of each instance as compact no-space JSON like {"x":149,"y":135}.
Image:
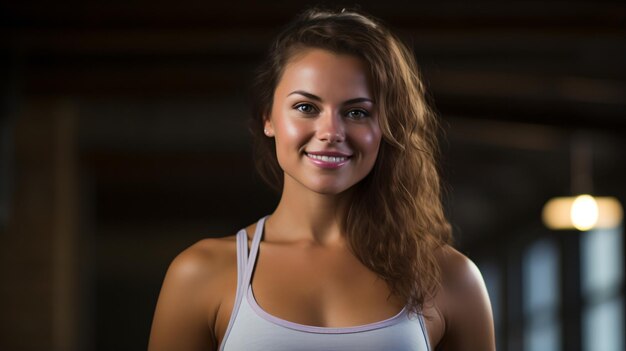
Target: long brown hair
{"x":395,"y":221}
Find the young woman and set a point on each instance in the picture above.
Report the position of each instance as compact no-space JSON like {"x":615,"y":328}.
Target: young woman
{"x":356,"y":254}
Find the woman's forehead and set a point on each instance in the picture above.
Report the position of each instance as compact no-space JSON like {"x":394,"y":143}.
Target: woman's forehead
{"x":323,"y":72}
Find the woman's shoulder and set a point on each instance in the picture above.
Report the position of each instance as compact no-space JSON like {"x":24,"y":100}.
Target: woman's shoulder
{"x":464,"y":301}
{"x":209,"y":257}
{"x":205,"y":258}
{"x":460,"y":277}
{"x":195,"y":283}
{"x":457,"y":270}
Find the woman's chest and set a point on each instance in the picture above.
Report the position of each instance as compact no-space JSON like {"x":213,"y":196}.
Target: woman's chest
{"x":327,"y":288}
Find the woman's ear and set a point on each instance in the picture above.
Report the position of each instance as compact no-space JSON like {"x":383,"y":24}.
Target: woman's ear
{"x":268,"y":129}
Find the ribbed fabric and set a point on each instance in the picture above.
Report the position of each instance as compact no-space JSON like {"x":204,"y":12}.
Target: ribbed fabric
{"x":252,"y":329}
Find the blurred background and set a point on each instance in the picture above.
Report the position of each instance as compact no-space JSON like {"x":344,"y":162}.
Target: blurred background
{"x":123,"y":141}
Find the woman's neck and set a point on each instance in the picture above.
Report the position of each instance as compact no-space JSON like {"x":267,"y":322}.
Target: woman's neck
{"x":308,"y":217}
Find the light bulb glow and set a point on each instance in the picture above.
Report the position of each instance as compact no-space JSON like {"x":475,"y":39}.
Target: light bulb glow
{"x":584,"y":212}
{"x":561,"y":213}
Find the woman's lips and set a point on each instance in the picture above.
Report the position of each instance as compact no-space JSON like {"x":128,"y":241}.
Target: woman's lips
{"x":328,"y":160}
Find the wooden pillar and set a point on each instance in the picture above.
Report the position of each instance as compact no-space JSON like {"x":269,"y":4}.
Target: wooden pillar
{"x":39,"y":270}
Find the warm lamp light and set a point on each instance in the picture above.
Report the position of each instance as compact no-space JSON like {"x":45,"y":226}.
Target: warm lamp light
{"x":583,"y":212}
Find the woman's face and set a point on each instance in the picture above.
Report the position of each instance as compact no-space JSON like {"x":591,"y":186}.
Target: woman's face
{"x":324,"y":121}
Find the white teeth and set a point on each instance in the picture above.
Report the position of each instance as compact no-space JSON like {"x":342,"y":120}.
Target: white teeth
{"x":331,"y":159}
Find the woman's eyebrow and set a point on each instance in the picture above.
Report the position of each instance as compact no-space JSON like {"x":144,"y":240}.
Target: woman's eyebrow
{"x":357,"y":100}
{"x":317,"y":98}
{"x":305,"y":94}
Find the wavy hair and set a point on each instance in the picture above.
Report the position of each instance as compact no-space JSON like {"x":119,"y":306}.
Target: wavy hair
{"x":395,"y":221}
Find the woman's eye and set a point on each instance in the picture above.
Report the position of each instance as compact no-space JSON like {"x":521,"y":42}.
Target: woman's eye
{"x":305,"y":108}
{"x":357,"y":114}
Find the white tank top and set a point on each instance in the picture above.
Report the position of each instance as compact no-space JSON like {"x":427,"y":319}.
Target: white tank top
{"x":252,"y":329}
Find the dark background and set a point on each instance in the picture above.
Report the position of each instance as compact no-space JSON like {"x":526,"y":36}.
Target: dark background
{"x":123,"y":141}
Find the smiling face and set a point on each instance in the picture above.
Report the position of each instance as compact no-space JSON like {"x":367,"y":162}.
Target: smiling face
{"x":324,"y":121}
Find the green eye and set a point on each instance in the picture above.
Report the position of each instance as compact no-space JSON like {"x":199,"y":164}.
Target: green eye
{"x":305,"y":108}
{"x":357,"y":114}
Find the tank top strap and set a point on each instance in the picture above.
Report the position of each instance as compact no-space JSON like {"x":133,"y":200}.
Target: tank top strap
{"x":254,"y":251}
{"x":242,"y":257}
{"x":242,"y":260}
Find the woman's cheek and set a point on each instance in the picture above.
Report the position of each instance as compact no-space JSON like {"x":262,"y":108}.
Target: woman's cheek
{"x":370,"y":137}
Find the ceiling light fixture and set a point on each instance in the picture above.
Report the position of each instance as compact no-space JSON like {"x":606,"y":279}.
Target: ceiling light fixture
{"x":584,"y":211}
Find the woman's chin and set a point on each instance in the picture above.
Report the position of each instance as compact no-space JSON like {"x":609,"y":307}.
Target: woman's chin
{"x":330,"y":189}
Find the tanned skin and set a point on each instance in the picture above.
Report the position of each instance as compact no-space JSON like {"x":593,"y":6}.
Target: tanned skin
{"x":305,"y":271}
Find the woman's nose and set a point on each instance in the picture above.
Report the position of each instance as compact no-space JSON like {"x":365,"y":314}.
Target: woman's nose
{"x":331,"y":127}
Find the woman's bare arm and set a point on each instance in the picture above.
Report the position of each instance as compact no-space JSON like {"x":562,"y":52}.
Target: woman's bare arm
{"x":190,"y":297}
{"x":467,"y":310}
